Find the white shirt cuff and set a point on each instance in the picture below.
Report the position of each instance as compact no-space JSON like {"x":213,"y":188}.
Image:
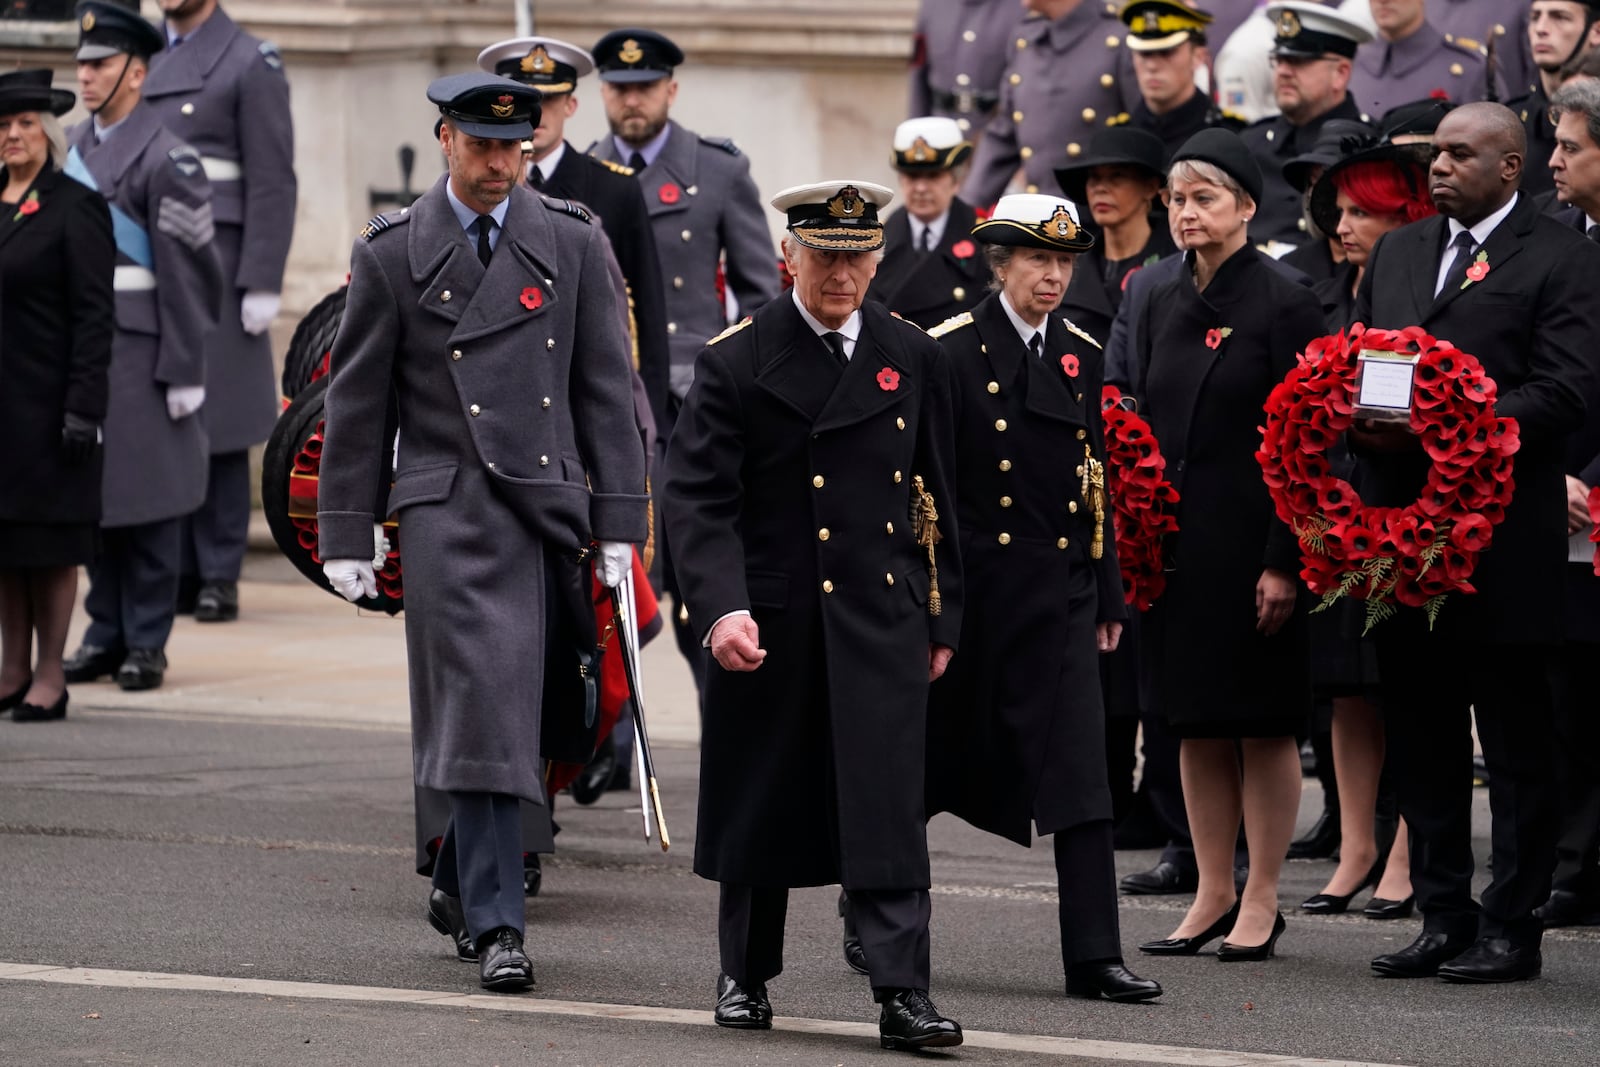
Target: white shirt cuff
{"x":706,"y":641}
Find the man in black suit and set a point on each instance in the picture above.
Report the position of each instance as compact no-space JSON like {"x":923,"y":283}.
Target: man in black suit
{"x":1532,"y":322}
{"x":931,"y":270}
{"x":609,"y":189}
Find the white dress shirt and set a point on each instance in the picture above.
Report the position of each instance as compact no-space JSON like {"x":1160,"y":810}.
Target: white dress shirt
{"x":1480,"y":234}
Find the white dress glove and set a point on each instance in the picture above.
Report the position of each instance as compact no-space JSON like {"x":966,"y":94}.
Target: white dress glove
{"x":257,"y":310}
{"x":380,"y":546}
{"x":614,"y":563}
{"x":351,"y":578}
{"x":184,"y":400}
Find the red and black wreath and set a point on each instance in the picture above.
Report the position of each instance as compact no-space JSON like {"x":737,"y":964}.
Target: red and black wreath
{"x":1143,"y":503}
{"x":1413,"y":556}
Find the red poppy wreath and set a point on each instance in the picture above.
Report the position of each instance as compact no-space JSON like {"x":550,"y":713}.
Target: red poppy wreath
{"x":1144,"y":504}
{"x":1413,"y":556}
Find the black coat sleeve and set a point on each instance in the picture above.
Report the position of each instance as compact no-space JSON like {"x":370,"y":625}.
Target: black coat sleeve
{"x":636,"y":255}
{"x":91,"y":257}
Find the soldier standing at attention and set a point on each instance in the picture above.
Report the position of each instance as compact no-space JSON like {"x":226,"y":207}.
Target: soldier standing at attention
{"x":1067,"y":75}
{"x":168,"y":287}
{"x":1168,"y":42}
{"x":490,"y":317}
{"x":1411,"y":60}
{"x":958,"y":58}
{"x":223,"y":92}
{"x":704,"y":210}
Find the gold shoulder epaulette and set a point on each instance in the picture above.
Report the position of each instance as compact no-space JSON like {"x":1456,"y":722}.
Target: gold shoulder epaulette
{"x":951,"y":324}
{"x":730,"y":331}
{"x":1075,"y":328}
{"x":618,"y":167}
{"x":1234,"y":116}
{"x":1120,"y":119}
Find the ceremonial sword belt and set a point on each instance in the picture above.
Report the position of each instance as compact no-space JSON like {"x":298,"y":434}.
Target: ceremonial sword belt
{"x":964,"y":101}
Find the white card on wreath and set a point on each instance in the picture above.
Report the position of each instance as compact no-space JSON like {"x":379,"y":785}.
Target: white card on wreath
{"x":1384,"y":382}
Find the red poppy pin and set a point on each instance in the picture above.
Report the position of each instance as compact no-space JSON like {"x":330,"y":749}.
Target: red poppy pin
{"x":888,"y":379}
{"x":963,"y":249}
{"x":533,"y":298}
{"x":28,"y":206}
{"x":1478,"y":271}
{"x":1069,"y":363}
{"x":670,"y":193}
{"x":1214,"y":338}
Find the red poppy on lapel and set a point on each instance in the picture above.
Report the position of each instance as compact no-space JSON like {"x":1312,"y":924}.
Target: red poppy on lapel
{"x":28,"y":207}
{"x":963,"y":249}
{"x":1069,"y":363}
{"x":670,"y":193}
{"x":532,"y":298}
{"x":888,"y":379}
{"x":1214,"y":337}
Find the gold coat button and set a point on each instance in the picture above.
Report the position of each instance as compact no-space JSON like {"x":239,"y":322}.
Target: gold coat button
{"x":1499,"y":30}
{"x":672,"y":327}
{"x":677,"y":283}
{"x":1032,"y":188}
{"x":969,"y":36}
{"x":1074,"y":149}
{"x":475,"y":409}
{"x":1005,"y":464}
{"x":1000,"y":424}
{"x":545,"y":403}
{"x":445,"y":296}
{"x":544,"y":461}
{"x":1080,"y":398}
{"x":686,"y":235}
{"x":1005,"y":539}
{"x":1072,"y":507}
{"x":1079,"y":470}
{"x":1061,"y":542}
{"x":1113,"y":41}
{"x":1272,"y":135}
{"x":187,"y":109}
{"x":1027,"y":152}
{"x":1005,"y":502}
{"x":823,"y":534}
{"x":1082,"y":434}
{"x":455,"y":353}
{"x":964,"y":124}
{"x":1107,"y":81}
{"x":817,"y":481}
{"x":888,"y":527}
{"x":899,"y":423}
{"x":827,"y":587}
{"x":896,"y":477}
{"x":993,"y":387}
{"x":962,"y":79}
{"x":959,"y":293}
{"x":1088,"y":114}
{"x":1016,"y":116}
{"x":550,"y":344}
{"x":1016,"y":79}
{"x":888,"y":579}
{"x":1455,"y":68}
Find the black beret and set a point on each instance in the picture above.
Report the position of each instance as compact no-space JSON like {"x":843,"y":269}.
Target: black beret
{"x":1223,"y":149}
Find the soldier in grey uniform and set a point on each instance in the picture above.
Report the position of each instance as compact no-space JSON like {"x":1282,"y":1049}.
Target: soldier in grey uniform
{"x":704,"y":209}
{"x":959,"y":57}
{"x":168,"y":287}
{"x":223,"y":91}
{"x":487,"y":311}
{"x":1476,"y":24}
{"x":1068,"y":74}
{"x":1412,"y":60}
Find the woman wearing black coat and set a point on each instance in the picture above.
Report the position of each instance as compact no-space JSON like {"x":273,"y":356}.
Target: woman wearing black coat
{"x":1224,"y":653}
{"x":57,"y":254}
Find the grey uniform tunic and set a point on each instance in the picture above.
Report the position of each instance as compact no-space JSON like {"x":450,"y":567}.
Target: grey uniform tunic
{"x":960,"y":57}
{"x":223,"y":92}
{"x":155,"y":468}
{"x":1064,"y":80}
{"x":1473,"y":23}
{"x":702,"y":203}
{"x":1386,"y":74}
{"x":516,"y":435}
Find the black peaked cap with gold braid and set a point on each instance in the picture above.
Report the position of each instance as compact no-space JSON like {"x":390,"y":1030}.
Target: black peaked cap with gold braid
{"x":835,"y":216}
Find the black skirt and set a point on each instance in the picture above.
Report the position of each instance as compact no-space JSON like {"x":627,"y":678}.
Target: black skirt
{"x":26,"y":545}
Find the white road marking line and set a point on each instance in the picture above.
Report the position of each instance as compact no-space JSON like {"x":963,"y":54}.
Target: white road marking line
{"x":1114,"y":1051}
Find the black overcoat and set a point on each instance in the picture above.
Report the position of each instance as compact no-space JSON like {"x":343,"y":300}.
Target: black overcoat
{"x":789,"y":494}
{"x":1016,"y":726}
{"x":57,"y":317}
{"x":930,"y":287}
{"x":1534,"y":324}
{"x":1092,"y":298}
{"x":1204,"y":664}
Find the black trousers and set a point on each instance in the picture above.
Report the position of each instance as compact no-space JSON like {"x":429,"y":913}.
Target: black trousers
{"x":892,"y":924}
{"x":1432,"y":689}
{"x":480,"y":860}
{"x":1086,"y":882}
{"x":216,"y":536}
{"x":1578,"y":770}
{"x":433,"y":811}
{"x":133,"y":586}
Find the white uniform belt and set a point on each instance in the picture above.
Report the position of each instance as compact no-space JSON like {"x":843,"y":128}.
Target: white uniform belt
{"x":131,"y":279}
{"x":221,"y":170}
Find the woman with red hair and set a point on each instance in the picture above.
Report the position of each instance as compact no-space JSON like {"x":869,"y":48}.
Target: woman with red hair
{"x":1360,"y":198}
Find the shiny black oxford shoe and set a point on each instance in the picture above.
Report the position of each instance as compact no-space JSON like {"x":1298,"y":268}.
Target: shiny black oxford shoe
{"x":1321,"y":841}
{"x":742,"y":1008}
{"x":1567,"y":908}
{"x":1494,"y":959}
{"x":1423,"y":957}
{"x":445,"y":915}
{"x":855,"y":957}
{"x":144,"y":668}
{"x":91,"y":662}
{"x":1162,"y":879}
{"x":217,"y":602}
{"x":909,"y":1022}
{"x":1109,"y":979}
{"x":502,"y":965}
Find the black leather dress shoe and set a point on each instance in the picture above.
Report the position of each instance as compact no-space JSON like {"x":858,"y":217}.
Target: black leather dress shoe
{"x":596,"y":774}
{"x":1321,"y":841}
{"x":532,"y":874}
{"x":144,"y":668}
{"x":502,"y":965}
{"x":35,"y":713}
{"x":92,"y":662}
{"x":741,"y":1008}
{"x":854,"y":955}
{"x":1494,"y":959}
{"x":909,"y":1022}
{"x":1111,"y":980}
{"x":445,"y":915}
{"x":1566,"y":908}
{"x":1423,"y":957}
{"x":217,"y":602}
{"x":1163,"y":878}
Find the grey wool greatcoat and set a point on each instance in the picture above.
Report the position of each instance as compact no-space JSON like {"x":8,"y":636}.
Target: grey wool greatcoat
{"x":702,"y":203}
{"x":1016,"y":725}
{"x":155,"y":468}
{"x":223,"y":92}
{"x":789,"y":494}
{"x":514,"y":390}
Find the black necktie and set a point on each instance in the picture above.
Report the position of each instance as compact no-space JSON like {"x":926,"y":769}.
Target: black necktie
{"x":636,"y":161}
{"x":1594,"y":232}
{"x":1036,"y":346}
{"x":484,"y":248}
{"x":835,"y":342}
{"x":1458,"y":267}
{"x":536,"y":177}
{"x":927,"y":239}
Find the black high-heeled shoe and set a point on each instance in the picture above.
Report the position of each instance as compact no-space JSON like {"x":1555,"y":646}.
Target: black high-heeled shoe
{"x":12,"y":700}
{"x":1191,"y":946}
{"x":1230,"y":953}
{"x":1381,"y":908}
{"x":1338,"y":903}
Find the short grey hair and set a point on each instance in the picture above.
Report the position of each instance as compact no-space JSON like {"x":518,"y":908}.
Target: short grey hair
{"x":1198,"y":170}
{"x":997,"y":256}
{"x":1579,"y":97}
{"x":790,"y":245}
{"x":53,"y":134}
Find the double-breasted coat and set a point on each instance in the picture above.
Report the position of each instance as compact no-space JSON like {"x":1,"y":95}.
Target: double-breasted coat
{"x":223,"y":92}
{"x":959,"y":56}
{"x":1206,"y":668}
{"x":56,"y":325}
{"x":1016,"y":727}
{"x":789,"y":494}
{"x":702,"y":204}
{"x":517,"y":442}
{"x":1533,"y":323}
{"x":930,"y":287}
{"x":168,"y":289}
{"x":1274,"y":141}
{"x":1423,"y":65}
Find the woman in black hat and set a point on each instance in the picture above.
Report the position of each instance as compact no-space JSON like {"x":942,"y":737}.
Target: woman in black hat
{"x":1224,"y":652}
{"x":1117,"y":182}
{"x":56,"y":259}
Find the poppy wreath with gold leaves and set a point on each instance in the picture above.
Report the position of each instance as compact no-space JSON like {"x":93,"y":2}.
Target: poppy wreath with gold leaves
{"x":1144,"y":504}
